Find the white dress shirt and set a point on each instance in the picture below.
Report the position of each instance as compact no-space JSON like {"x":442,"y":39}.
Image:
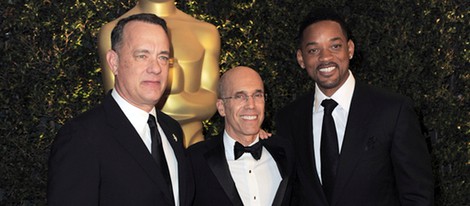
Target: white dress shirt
{"x":138,"y":118}
{"x":257,"y":181}
{"x":340,"y":114}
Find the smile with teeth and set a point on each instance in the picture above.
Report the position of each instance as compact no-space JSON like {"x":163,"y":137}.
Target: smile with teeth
{"x":327,"y":69}
{"x":251,"y":117}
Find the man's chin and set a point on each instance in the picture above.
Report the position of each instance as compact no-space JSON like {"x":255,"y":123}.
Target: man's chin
{"x":328,"y":84}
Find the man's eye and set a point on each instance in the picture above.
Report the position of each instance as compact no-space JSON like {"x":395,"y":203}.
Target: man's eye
{"x":313,"y":51}
{"x":141,"y":56}
{"x":336,"y":46}
{"x":258,"y":95}
{"x":239,"y":96}
{"x":164,"y":58}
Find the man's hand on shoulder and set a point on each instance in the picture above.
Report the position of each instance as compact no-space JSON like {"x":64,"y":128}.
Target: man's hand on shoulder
{"x":263,"y":134}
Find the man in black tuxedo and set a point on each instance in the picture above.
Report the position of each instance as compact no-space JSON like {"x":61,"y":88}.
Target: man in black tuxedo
{"x":225,"y":172}
{"x":356,"y":145}
{"x":124,"y":151}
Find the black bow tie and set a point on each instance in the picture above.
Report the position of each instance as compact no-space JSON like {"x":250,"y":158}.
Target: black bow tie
{"x":255,"y":150}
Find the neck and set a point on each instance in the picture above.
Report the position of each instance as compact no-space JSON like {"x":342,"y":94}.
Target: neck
{"x":160,"y":8}
{"x":145,"y":107}
{"x":244,"y":140}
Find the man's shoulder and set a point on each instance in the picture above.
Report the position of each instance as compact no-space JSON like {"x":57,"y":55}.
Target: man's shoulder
{"x":87,"y":126}
{"x":379,"y":94}
{"x":92,"y":116}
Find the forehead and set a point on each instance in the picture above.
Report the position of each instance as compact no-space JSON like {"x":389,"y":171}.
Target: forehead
{"x":244,"y":81}
{"x":140,"y":30}
{"x":326,"y":28}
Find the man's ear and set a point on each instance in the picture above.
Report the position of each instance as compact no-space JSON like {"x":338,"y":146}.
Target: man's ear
{"x":350,"y":49}
{"x":300,"y":59}
{"x":220,"y":107}
{"x":112,"y":58}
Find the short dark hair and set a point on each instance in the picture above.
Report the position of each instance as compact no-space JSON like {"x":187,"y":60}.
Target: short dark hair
{"x":116,"y":34}
{"x":322,"y":14}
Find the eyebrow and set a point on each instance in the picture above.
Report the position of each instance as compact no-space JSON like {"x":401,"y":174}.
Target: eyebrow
{"x":141,"y":51}
{"x":315,"y":43}
{"x":146,"y":51}
{"x":165,"y":52}
{"x":336,"y":39}
{"x":310,"y":44}
{"x":244,"y":92}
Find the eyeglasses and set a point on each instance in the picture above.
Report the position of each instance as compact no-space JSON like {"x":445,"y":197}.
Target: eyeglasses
{"x":242,"y":97}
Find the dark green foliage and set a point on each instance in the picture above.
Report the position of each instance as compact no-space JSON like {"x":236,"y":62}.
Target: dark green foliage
{"x":50,"y":72}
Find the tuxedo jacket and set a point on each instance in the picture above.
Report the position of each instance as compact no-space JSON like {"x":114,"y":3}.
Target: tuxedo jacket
{"x":99,"y":159}
{"x":214,"y":183}
{"x":384,"y":158}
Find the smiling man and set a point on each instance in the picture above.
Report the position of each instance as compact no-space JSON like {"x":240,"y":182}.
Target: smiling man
{"x":356,"y":145}
{"x":237,"y":167}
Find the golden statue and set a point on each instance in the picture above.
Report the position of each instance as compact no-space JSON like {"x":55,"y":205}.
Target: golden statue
{"x":193,"y":76}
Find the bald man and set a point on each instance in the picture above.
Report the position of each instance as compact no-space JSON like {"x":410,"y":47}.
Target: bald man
{"x":237,"y":167}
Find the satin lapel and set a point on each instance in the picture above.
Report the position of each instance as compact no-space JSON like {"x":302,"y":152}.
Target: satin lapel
{"x":218,"y":164}
{"x":175,"y":141}
{"x":306,"y":144}
{"x":285,"y":168}
{"x":354,"y":137}
{"x":129,"y":139}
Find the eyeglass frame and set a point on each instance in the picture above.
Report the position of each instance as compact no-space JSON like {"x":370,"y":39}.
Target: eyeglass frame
{"x":242,"y":97}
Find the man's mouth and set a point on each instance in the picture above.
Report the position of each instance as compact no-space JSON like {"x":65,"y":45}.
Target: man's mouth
{"x":249,"y":117}
{"x":327,"y":69}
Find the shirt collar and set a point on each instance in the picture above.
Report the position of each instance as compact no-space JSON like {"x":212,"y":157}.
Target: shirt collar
{"x":342,"y":96}
{"x":136,"y":116}
{"x":229,"y":144}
